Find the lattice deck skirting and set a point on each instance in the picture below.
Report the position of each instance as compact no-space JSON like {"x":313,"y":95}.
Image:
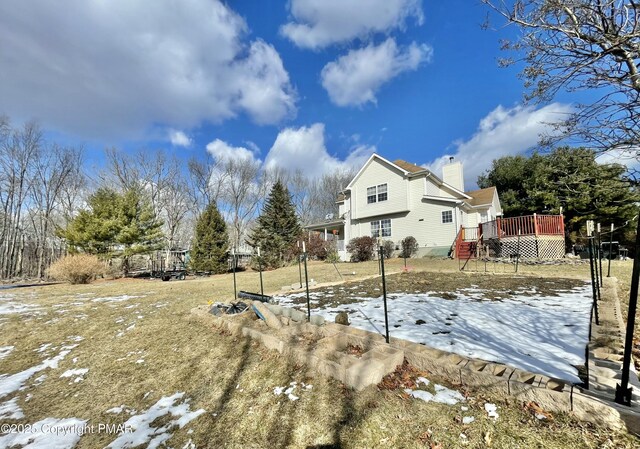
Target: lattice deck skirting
{"x":531,"y":247}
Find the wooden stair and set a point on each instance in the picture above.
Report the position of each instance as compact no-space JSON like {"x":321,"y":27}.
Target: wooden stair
{"x":466,"y":250}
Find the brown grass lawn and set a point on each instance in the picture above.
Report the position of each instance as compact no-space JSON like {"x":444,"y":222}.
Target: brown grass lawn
{"x":233,"y":379}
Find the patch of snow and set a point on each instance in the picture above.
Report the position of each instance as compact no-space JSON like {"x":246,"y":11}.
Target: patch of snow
{"x":541,"y":334}
{"x":491,"y":410}
{"x":49,"y":433}
{"x":189,"y":445}
{"x":443,"y":395}
{"x":5,"y":351}
{"x":423,"y":380}
{"x":11,"y":410}
{"x":468,"y":419}
{"x":540,"y":416}
{"x":43,"y":348}
{"x":79,"y":372}
{"x":14,"y":382}
{"x":140,"y":361}
{"x":140,"y":431}
{"x":115,"y":298}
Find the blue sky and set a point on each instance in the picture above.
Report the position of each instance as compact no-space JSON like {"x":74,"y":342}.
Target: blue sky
{"x":311,"y":84}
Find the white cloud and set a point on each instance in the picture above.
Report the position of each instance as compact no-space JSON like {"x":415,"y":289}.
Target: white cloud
{"x":355,"y":77}
{"x":119,"y":68}
{"x":319,"y":23}
{"x":179,"y":138}
{"x":503,"y":132}
{"x":304,"y":149}
{"x":221,"y":150}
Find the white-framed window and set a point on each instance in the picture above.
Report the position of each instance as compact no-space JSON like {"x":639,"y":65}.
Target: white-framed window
{"x":381,"y":228}
{"x":371,"y":195}
{"x":447,"y":216}
{"x":375,"y":229}
{"x":377,"y":193}
{"x":382,"y":192}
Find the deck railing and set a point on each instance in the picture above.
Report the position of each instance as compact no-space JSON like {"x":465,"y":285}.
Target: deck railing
{"x":525,"y":225}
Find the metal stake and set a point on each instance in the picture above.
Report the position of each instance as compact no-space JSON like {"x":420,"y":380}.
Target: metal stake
{"x":593,"y":284}
{"x":600,"y":252}
{"x":260,"y":269}
{"x":306,"y":279}
{"x":299,"y":264}
{"x":384,"y":294}
{"x":518,"y":252}
{"x":233,"y":262}
{"x":623,"y":391}
{"x":610,"y":252}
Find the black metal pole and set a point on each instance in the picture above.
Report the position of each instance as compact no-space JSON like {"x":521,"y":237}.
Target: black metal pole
{"x":623,"y":391}
{"x":518,"y":252}
{"x":610,"y":252}
{"x":306,"y":280}
{"x":595,"y":266}
{"x":300,"y":265}
{"x":260,"y":270}
{"x":384,"y":293}
{"x":600,"y":252}
{"x":233,"y":263}
{"x":593,"y":283}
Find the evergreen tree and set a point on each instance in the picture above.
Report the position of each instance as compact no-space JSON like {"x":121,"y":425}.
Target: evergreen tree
{"x":115,"y":225}
{"x":277,"y":228}
{"x":567,"y":179}
{"x":210,"y":242}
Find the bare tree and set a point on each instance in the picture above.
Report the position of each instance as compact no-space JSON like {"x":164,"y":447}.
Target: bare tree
{"x":52,"y":171}
{"x":19,"y":148}
{"x":577,"y":45}
{"x":243,"y":188}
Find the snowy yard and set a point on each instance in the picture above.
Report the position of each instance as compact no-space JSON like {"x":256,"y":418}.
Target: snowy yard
{"x":543,"y":333}
{"x":120,"y":364}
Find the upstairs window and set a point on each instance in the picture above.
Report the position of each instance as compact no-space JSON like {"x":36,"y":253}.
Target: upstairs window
{"x":371,"y":195}
{"x":377,"y":193}
{"x":382,"y":192}
{"x":447,"y":216}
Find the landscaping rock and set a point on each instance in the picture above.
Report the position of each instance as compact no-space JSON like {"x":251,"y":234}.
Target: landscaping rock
{"x":317,"y":320}
{"x":342,"y":318}
{"x":267,"y":315}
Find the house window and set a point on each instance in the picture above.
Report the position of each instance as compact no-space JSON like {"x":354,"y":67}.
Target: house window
{"x":381,"y":228}
{"x":375,"y":229}
{"x":385,"y":227}
{"x":377,"y":193}
{"x":382,"y":192}
{"x":447,"y":216}
{"x":371,"y":195}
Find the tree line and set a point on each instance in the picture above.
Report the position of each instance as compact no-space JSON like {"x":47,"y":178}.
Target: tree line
{"x":45,"y":187}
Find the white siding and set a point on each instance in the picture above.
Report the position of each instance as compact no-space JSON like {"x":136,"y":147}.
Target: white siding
{"x":375,"y":174}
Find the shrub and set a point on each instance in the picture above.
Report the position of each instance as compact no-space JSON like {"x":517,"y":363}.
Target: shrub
{"x":332,"y":256}
{"x":77,"y":268}
{"x":317,"y":247}
{"x":388,"y":247}
{"x":361,"y":248}
{"x":409,"y":247}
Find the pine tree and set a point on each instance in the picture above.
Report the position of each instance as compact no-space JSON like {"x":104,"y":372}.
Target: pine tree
{"x":115,"y":225}
{"x":277,"y":228}
{"x":210,"y":243}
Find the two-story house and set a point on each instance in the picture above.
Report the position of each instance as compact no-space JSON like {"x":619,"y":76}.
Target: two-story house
{"x":393,"y":200}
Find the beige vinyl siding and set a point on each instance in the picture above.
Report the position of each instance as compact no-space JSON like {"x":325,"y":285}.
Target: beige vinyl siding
{"x":375,"y":174}
{"x":472,"y":219}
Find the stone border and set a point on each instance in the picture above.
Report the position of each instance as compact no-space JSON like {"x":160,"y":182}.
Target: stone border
{"x":328,"y":359}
